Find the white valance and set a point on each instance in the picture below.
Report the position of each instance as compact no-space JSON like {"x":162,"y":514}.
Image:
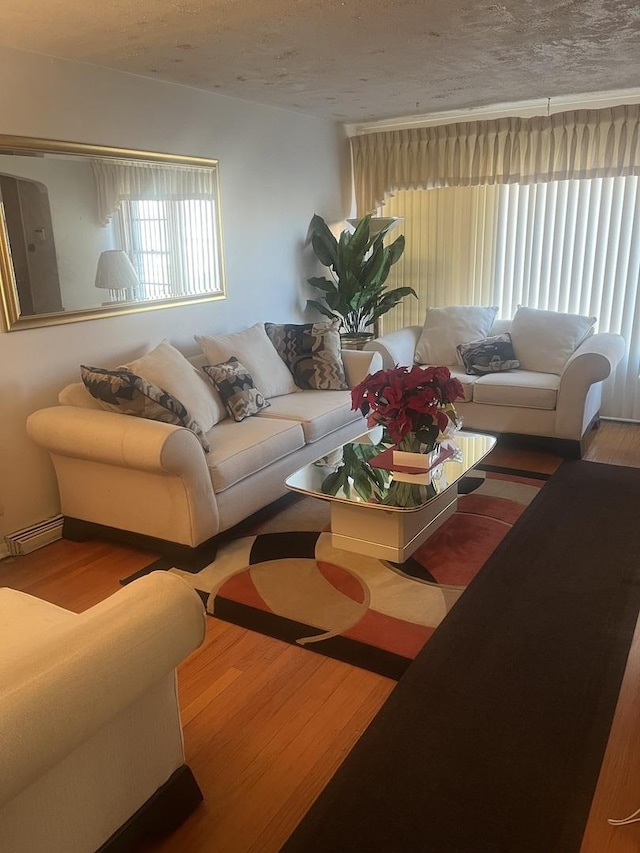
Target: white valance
{"x":578,"y":144}
{"x":121,"y":180}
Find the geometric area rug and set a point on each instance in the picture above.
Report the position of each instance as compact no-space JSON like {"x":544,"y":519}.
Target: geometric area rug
{"x":286,"y":580}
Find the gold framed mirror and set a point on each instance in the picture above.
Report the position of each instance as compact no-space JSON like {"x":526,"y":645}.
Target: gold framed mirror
{"x":88,"y":231}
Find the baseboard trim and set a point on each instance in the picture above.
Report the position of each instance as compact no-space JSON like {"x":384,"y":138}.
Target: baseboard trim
{"x":162,"y":813}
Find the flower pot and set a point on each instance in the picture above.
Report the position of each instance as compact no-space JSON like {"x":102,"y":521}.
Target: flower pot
{"x":355,"y":340}
{"x":414,"y":453}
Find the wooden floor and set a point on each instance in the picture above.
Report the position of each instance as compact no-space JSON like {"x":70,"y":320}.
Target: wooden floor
{"x":266,"y":724}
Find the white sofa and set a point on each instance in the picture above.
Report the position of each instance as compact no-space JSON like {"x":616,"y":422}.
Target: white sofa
{"x":150,"y":483}
{"x":560,"y":407}
{"x":90,"y":734}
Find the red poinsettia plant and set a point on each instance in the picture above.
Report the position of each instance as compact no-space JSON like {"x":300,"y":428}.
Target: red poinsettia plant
{"x":406,"y":400}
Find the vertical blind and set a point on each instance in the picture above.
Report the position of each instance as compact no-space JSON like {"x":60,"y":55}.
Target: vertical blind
{"x":173,"y":246}
{"x":569,"y":245}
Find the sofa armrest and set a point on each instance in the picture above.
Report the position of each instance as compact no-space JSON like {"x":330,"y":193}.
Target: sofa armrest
{"x":129,"y":473}
{"x":396,"y":347}
{"x":88,"y":670}
{"x":358,"y":364}
{"x":594,"y":360}
{"x":113,"y":439}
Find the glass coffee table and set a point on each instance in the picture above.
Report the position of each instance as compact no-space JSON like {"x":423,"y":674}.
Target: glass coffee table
{"x":385,"y":504}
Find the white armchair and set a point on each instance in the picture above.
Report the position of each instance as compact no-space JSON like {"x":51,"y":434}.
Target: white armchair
{"x":558,"y":407}
{"x":90,"y":734}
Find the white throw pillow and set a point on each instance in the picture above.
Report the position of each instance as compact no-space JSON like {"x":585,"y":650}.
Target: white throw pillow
{"x":166,"y":367}
{"x":445,"y":328}
{"x":255,"y":351}
{"x":545,"y":340}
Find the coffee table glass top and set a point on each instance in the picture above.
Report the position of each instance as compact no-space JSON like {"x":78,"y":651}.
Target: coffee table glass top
{"x":359,"y":473}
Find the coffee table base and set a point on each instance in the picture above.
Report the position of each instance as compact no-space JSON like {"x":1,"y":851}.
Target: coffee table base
{"x":389,"y":534}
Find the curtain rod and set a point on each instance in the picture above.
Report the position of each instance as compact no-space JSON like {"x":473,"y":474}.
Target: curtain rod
{"x":523,"y":109}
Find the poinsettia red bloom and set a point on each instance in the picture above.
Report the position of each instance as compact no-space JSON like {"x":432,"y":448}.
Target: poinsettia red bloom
{"x":408,"y":399}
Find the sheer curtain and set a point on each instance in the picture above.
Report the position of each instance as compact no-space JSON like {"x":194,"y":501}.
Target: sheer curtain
{"x":121,"y":180}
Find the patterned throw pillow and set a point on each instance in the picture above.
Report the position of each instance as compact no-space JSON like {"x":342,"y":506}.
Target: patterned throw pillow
{"x":489,"y":355}
{"x":235,"y":385}
{"x":125,"y":392}
{"x":312,"y":353}
{"x":253,"y":348}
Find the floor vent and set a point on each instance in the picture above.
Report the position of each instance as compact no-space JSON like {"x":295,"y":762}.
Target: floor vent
{"x":30,"y":538}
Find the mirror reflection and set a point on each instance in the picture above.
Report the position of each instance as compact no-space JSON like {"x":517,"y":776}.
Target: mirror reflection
{"x":90,"y":230}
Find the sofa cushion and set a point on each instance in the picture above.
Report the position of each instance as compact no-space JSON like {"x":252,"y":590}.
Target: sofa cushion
{"x":312,"y":353}
{"x":521,"y":388}
{"x":489,"y":355}
{"x":254,"y":349}
{"x":241,"y":449}
{"x":236,"y":388}
{"x":445,"y":328}
{"x":126,"y":393}
{"x":167,"y":367}
{"x":545,"y":340}
{"x":319,"y":414}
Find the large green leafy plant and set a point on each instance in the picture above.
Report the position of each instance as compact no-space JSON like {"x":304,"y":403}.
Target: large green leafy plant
{"x":356,"y":293}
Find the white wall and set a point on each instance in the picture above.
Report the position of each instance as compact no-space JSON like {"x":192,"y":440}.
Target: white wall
{"x":277,"y":168}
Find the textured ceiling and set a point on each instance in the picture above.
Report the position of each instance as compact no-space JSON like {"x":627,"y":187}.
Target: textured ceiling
{"x":349,"y":60}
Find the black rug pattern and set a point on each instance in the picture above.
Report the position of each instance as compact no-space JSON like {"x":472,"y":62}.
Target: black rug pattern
{"x":493,"y":739}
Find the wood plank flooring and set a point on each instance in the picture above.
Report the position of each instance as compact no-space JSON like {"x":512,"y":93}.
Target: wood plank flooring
{"x":267,"y":724}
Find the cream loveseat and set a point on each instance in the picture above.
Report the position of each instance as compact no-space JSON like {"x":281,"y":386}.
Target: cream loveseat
{"x":555,"y":394}
{"x":90,"y":735}
{"x":150,"y":483}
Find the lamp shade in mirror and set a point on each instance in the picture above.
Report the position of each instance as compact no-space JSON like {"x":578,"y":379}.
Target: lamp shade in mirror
{"x":116,"y":273}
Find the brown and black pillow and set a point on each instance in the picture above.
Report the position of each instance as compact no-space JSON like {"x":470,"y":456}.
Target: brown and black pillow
{"x":312,"y":353}
{"x":125,"y":392}
{"x":236,"y":388}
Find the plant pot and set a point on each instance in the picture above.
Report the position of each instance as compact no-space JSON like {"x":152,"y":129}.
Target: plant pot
{"x":355,"y":340}
{"x":412,"y":444}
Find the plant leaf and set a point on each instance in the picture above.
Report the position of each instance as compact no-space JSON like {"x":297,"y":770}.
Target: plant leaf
{"x":396,"y":249}
{"x":323,"y":284}
{"x":331,"y":484}
{"x":312,"y":303}
{"x":323,"y":242}
{"x":359,"y":240}
{"x":362,"y":484}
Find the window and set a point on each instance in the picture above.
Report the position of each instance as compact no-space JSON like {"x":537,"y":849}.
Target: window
{"x":569,"y":245}
{"x":173,"y":246}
